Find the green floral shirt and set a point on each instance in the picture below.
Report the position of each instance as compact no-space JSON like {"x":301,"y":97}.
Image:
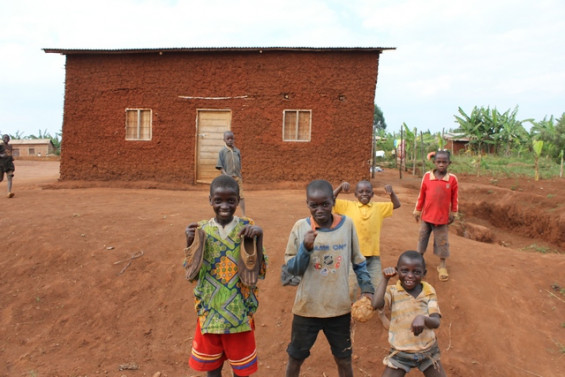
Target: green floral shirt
{"x":224,"y":305}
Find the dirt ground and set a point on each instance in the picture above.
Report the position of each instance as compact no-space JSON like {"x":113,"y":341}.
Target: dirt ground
{"x":91,"y":282}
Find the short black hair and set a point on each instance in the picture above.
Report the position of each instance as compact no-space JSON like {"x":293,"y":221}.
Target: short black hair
{"x":224,"y":181}
{"x":412,"y":254}
{"x":321,"y":185}
{"x":444,"y":152}
{"x":363,"y":182}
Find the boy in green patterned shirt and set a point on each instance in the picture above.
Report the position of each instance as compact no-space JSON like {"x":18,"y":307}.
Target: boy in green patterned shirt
{"x":225,"y":300}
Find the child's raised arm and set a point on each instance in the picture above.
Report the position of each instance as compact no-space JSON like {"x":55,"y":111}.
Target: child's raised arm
{"x":393,"y":197}
{"x":379,"y":296}
{"x":344,"y":186}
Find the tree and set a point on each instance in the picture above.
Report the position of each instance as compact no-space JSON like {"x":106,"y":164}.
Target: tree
{"x":552,"y":132}
{"x":379,"y":123}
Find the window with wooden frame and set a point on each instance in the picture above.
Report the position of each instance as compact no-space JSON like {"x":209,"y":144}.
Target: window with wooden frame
{"x":297,"y":125}
{"x":138,"y":124}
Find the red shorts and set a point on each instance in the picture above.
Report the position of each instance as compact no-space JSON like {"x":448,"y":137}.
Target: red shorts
{"x":209,"y":351}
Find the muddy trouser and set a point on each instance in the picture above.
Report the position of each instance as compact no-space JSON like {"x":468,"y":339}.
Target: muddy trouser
{"x":441,"y":244}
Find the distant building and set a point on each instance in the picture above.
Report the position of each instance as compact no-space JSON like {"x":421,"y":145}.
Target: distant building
{"x":148,"y":114}
{"x":32,"y":147}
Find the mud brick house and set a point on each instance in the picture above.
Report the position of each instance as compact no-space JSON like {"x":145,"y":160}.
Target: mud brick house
{"x":32,"y":147}
{"x":160,"y":114}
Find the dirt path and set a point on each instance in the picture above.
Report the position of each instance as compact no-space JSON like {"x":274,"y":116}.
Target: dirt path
{"x":72,"y":304}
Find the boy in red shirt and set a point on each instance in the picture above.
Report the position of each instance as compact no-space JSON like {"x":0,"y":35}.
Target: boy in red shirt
{"x":437,"y":206}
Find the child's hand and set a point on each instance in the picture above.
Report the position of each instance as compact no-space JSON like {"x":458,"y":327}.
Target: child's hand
{"x":418,"y":324}
{"x":309,"y":238}
{"x":251,"y":231}
{"x":189,"y":232}
{"x":417,"y":215}
{"x":388,"y":189}
{"x":345,"y":186}
{"x":389,"y":272}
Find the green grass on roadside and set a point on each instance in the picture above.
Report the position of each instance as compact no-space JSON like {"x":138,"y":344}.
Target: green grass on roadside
{"x":491,"y":166}
{"x":504,"y":167}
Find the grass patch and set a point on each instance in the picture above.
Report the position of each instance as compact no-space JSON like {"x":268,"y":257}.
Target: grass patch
{"x":506,"y":167}
{"x":541,"y":249}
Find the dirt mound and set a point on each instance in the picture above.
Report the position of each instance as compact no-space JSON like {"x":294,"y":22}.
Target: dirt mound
{"x":78,"y":298}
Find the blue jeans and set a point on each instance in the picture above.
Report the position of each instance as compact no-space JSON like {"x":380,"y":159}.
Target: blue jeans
{"x":375,"y":271}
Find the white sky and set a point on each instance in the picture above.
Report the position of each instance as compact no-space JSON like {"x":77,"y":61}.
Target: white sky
{"x":450,"y":53}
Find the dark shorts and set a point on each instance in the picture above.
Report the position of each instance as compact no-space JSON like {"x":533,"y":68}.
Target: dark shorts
{"x":406,"y":361}
{"x":6,"y":166}
{"x":305,"y":331}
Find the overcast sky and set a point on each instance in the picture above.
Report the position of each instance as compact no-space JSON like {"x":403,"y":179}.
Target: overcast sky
{"x":449,"y":53}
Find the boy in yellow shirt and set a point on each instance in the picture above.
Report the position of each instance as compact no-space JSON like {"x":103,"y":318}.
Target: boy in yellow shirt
{"x":368,"y":218}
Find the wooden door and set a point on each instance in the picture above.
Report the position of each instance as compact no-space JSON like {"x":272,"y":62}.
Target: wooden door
{"x":210,"y":128}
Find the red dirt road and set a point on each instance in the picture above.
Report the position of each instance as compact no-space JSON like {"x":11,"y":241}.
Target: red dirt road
{"x":72,"y":304}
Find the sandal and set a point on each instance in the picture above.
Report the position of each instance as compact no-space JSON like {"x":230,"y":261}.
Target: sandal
{"x":442,"y":274}
{"x":250,"y":260}
{"x":194,"y":255}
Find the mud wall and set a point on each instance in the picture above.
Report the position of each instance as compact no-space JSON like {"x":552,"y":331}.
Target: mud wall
{"x":337,"y":86}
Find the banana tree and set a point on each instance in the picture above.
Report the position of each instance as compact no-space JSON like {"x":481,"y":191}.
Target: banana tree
{"x":410,"y":143}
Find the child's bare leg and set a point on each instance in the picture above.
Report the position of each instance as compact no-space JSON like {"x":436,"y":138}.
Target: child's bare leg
{"x":293,"y":367}
{"x":390,"y":372}
{"x":10,"y":176}
{"x":344,"y":366}
{"x":435,"y":370}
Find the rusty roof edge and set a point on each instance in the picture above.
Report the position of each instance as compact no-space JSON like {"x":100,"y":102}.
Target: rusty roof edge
{"x":64,"y":51}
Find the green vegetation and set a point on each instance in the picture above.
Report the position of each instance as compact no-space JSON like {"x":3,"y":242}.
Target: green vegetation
{"x":498,"y":144}
{"x":541,"y":249}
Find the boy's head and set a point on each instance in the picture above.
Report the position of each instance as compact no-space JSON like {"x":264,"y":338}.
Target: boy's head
{"x":364,"y":191}
{"x":411,"y":268}
{"x":442,"y":160}
{"x":320,"y":200}
{"x":229,"y":138}
{"x":224,"y":198}
{"x":6,"y":138}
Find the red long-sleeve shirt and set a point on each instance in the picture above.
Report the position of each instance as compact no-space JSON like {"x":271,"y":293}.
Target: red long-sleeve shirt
{"x":437,"y":198}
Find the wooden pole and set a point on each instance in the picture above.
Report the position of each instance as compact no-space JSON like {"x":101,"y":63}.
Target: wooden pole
{"x":401,"y":157}
{"x":423,"y":153}
{"x":414,"y":152}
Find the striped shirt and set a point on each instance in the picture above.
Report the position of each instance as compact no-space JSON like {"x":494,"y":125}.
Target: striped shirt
{"x":404,"y":308}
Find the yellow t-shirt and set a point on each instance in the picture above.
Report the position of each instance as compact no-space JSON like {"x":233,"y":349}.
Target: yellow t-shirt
{"x":368,"y":220}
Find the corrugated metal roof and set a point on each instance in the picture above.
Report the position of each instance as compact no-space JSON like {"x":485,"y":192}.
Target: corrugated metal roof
{"x":63,"y":51}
